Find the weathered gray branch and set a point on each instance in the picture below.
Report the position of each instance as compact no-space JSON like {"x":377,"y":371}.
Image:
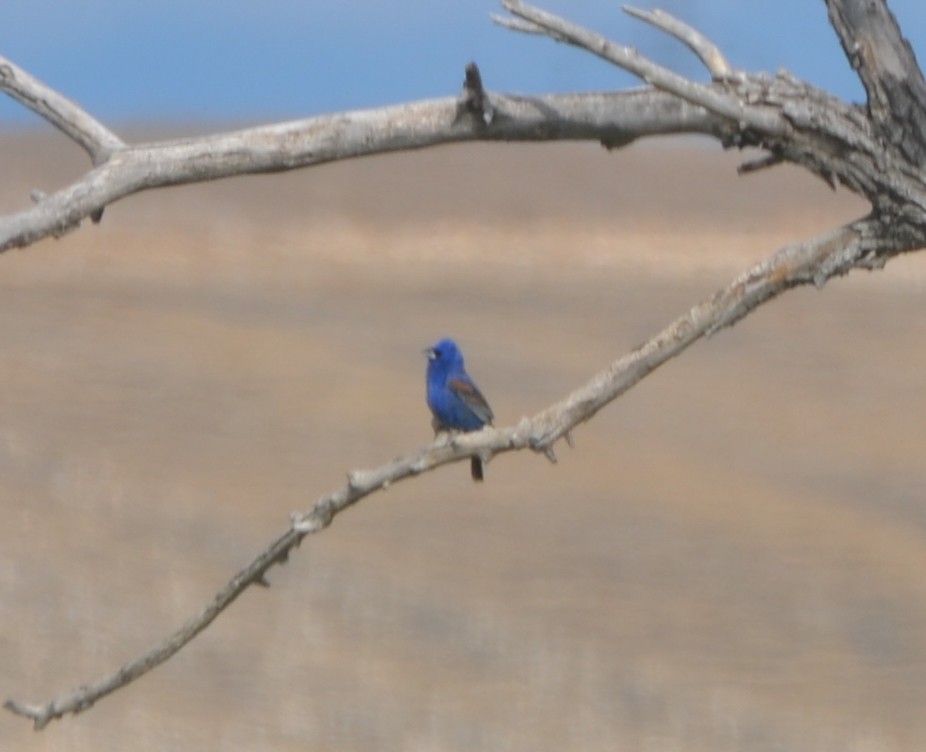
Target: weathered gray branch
{"x":615,"y":118}
{"x":797,"y":122}
{"x":811,"y":261}
{"x":888,"y":70}
{"x":96,"y":139}
{"x":708,"y":52}
{"x":716,"y":100}
{"x":791,"y":120}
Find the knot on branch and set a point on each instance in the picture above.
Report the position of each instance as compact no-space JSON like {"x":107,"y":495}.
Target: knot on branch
{"x":317,"y":519}
{"x":473,"y":100}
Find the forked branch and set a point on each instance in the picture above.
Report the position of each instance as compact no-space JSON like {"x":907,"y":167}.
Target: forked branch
{"x":766,"y":119}
{"x":67,"y":116}
{"x":614,"y":118}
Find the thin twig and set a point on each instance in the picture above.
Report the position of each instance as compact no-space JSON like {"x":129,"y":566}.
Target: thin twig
{"x":85,"y":696}
{"x":517,"y":24}
{"x":761,"y":163}
{"x":767,"y":120}
{"x":708,"y":52}
{"x":67,"y":116}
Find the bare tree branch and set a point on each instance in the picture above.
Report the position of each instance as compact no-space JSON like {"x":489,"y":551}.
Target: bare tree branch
{"x":812,"y":261}
{"x":887,"y":68}
{"x":767,"y":120}
{"x":792,"y":120}
{"x":95,"y":138}
{"x":85,"y":696}
{"x":614,"y":118}
{"x":708,"y":52}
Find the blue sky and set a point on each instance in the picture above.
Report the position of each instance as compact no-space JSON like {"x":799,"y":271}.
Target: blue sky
{"x":131,"y":61}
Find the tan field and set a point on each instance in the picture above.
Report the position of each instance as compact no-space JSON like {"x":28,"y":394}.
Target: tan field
{"x":732,"y":557}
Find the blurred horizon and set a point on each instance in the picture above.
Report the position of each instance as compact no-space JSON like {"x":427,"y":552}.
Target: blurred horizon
{"x":129,"y":63}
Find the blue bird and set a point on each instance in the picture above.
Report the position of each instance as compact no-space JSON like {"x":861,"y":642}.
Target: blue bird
{"x":455,"y":401}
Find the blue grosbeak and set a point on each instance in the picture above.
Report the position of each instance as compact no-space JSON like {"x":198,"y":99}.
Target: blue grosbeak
{"x":455,"y":401}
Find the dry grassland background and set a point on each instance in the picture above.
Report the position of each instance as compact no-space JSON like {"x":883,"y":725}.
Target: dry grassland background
{"x":732,"y":558}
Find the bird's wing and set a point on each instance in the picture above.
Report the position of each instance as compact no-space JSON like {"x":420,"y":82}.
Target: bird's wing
{"x":469,"y":393}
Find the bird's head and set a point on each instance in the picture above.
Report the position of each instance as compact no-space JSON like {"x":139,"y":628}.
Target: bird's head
{"x":445,"y":356}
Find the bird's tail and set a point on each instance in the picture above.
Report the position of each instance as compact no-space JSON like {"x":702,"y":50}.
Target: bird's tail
{"x":475,"y":466}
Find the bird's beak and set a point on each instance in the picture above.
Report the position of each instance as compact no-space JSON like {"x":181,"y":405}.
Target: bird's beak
{"x":429,"y":353}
